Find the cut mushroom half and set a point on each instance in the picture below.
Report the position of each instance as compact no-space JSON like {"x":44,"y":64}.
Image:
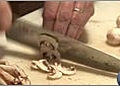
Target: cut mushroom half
{"x":55,"y":71}
{"x":55,"y":74}
{"x":41,"y":64}
{"x":66,"y":70}
{"x":49,"y":39}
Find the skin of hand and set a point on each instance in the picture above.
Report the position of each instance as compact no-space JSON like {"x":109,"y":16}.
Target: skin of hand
{"x":5,"y":15}
{"x":61,"y":17}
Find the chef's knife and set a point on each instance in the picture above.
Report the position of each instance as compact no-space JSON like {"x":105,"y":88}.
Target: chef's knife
{"x":74,"y":50}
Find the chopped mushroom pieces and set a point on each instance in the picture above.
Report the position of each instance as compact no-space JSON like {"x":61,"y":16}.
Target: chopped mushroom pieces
{"x":55,"y":71}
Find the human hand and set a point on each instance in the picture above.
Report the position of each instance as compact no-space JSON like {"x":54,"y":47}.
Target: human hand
{"x":67,"y":17}
{"x":5,"y":16}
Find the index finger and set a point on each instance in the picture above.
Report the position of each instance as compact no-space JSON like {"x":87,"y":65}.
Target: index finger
{"x":49,"y":13}
{"x":63,"y":16}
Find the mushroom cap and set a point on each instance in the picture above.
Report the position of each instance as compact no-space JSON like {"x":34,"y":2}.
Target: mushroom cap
{"x":65,"y":70}
{"x":40,"y":65}
{"x":55,"y":74}
{"x":48,"y":38}
{"x":118,"y":21}
{"x":113,"y":36}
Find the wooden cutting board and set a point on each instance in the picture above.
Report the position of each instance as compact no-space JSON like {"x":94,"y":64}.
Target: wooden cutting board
{"x":94,"y":36}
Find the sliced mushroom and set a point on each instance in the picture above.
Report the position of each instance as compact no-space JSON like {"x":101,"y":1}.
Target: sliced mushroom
{"x":53,"y":41}
{"x":55,"y":74}
{"x":41,"y":64}
{"x":65,"y":70}
{"x":55,"y":71}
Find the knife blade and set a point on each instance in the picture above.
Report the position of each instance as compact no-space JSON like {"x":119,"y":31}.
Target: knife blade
{"x":71,"y":49}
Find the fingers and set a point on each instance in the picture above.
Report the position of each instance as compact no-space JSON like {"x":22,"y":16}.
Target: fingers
{"x":63,"y":17}
{"x":5,"y":16}
{"x":49,"y":14}
{"x":75,"y":20}
{"x":84,"y":17}
{"x":87,"y":12}
{"x":65,"y":20}
{"x":79,"y":19}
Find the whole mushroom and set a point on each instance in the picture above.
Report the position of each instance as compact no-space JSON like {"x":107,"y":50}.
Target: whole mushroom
{"x":113,"y":36}
{"x":118,"y":21}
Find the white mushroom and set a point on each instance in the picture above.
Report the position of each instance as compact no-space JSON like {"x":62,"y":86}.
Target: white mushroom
{"x":55,"y":71}
{"x":55,"y":74}
{"x":113,"y":36}
{"x":40,"y":65}
{"x":65,"y":70}
{"x":118,"y":21}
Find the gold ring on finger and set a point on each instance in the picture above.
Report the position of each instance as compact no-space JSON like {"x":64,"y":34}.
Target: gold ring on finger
{"x":79,"y":10}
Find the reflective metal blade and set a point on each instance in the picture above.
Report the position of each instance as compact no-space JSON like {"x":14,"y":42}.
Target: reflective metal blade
{"x":71,"y":49}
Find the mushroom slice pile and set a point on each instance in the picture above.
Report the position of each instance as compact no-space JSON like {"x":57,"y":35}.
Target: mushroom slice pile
{"x":55,"y":74}
{"x":41,"y":64}
{"x":66,"y":71}
{"x":54,"y":71}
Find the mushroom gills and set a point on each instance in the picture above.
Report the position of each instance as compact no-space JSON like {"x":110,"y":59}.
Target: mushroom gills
{"x":65,"y":70}
{"x":40,"y":65}
{"x":55,"y":74}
